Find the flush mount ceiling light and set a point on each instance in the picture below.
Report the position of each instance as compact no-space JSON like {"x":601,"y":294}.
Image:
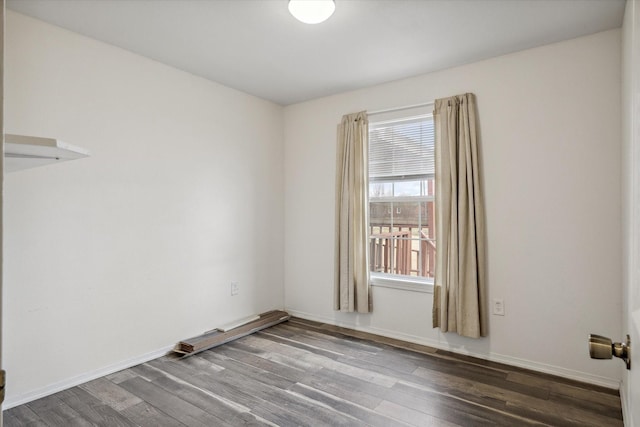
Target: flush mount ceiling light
{"x":312,"y":11}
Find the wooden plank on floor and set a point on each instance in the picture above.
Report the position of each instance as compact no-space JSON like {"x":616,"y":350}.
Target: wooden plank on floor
{"x":237,"y":323}
{"x":215,"y":338}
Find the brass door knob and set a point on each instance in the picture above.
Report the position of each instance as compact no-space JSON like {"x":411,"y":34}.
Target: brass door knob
{"x":603,"y":348}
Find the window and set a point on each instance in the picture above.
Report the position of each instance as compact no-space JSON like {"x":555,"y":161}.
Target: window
{"x":401,"y":200}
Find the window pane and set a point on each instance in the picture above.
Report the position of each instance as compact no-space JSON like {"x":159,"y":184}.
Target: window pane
{"x":403,"y":148}
{"x":381,"y":241}
{"x":429,"y":187}
{"x":427,"y":255}
{"x":380,"y":216}
{"x":407,"y":214}
{"x":406,"y":188}
{"x":401,"y":167}
{"x":427,"y":258}
{"x":380,"y":189}
{"x":427,"y":215}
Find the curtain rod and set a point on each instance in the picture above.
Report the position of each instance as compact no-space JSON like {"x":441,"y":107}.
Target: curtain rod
{"x":406,"y":107}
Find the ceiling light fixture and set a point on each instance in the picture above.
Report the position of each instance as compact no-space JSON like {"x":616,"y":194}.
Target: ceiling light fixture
{"x":312,"y":11}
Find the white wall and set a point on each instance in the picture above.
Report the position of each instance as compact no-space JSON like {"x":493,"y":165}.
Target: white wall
{"x":112,"y":258}
{"x":550,"y":128}
{"x":630,"y":389}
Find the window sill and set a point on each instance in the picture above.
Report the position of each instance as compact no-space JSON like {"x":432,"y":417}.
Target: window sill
{"x":405,"y":283}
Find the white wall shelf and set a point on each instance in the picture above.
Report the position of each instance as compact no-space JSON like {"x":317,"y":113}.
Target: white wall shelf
{"x":25,"y":152}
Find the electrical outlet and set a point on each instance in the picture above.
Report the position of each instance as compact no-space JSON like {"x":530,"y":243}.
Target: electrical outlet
{"x":235,"y":288}
{"x":498,"y":306}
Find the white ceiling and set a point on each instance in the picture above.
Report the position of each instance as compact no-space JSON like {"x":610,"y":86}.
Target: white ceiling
{"x":255,"y":45}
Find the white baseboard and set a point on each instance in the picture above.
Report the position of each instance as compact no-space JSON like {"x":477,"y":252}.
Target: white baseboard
{"x":13,"y":401}
{"x":494,"y":357}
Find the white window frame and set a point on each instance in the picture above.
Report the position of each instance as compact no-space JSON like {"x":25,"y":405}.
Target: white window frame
{"x":397,"y":281}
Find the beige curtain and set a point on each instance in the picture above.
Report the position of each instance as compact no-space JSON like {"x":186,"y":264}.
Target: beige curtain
{"x":459,"y":300}
{"x":352,"y":246}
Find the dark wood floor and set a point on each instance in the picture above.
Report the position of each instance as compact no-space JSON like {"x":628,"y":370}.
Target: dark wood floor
{"x":302,"y":373}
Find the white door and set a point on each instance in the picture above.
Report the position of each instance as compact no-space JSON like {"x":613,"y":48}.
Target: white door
{"x":2,"y":15}
{"x":631,"y":230}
